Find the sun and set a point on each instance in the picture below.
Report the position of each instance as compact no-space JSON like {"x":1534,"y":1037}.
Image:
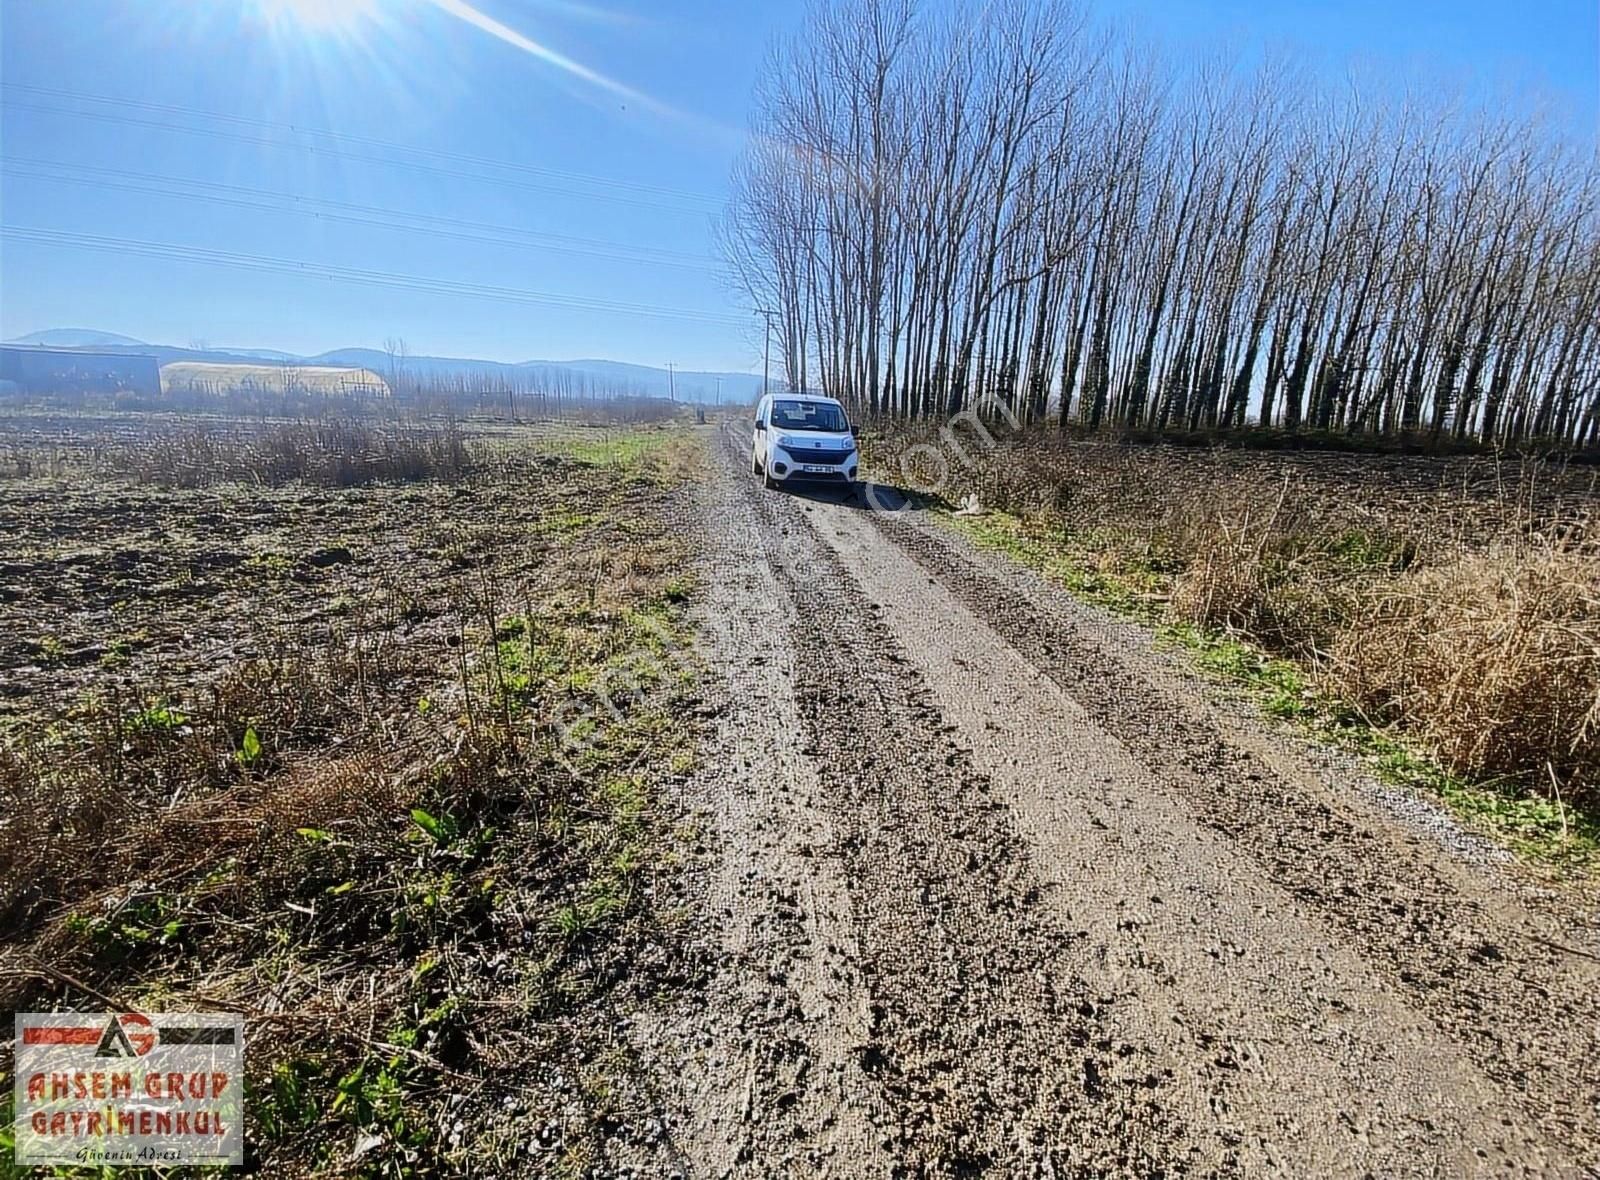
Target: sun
{"x":319,"y":16}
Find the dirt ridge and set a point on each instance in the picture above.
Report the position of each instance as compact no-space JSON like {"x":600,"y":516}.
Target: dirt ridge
{"x":1460,"y":946}
{"x":993,"y":895}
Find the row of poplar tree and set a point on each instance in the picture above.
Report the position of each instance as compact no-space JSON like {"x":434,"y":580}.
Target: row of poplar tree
{"x":947,"y":208}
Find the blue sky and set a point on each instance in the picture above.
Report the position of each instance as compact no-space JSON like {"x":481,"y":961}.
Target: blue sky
{"x":603,"y":127}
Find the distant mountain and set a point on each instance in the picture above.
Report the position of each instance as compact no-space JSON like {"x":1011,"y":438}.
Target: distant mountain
{"x":75,"y":338}
{"x":640,"y":380}
{"x":419,"y":367}
{"x":691,"y":385}
{"x":264,"y":354}
{"x":612,"y":376}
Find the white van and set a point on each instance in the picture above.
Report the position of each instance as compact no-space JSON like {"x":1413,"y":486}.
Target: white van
{"x":803,"y":438}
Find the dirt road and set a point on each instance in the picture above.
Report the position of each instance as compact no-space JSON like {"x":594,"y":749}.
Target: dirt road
{"x":995,"y":888}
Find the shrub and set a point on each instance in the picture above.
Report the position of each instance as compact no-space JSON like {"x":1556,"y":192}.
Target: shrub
{"x":1493,"y":659}
{"x":1223,"y":585}
{"x":1455,"y":599}
{"x":342,"y":453}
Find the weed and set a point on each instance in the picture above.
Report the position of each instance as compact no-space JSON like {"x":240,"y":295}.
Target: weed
{"x":565,"y":522}
{"x":288,"y":1103}
{"x":249,"y":747}
{"x":328,"y":453}
{"x":614,"y":448}
{"x":365,"y":824}
{"x":678,"y":589}
{"x":1542,"y":828}
{"x":160,"y":719}
{"x":156,"y":919}
{"x":271,"y":564}
{"x":1280,"y":685}
{"x":372,"y":1097}
{"x":1129,"y":588}
{"x":660,"y":456}
{"x":441,"y":831}
{"x":577,"y":919}
{"x":49,"y":650}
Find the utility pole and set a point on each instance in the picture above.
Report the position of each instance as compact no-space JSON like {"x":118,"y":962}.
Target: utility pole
{"x":719,"y":391}
{"x":672,"y":388}
{"x":766,"y":364}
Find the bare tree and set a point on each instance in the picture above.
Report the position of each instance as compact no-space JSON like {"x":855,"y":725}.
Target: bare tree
{"x":394,"y":348}
{"x":994,"y":208}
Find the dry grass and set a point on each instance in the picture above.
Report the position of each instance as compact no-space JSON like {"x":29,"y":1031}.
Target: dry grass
{"x":339,"y":453}
{"x":1493,"y":659}
{"x":89,"y":802}
{"x":1456,"y":601}
{"x":371,"y":844}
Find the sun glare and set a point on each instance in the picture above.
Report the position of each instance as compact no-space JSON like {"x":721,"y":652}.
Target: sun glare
{"x":319,"y":16}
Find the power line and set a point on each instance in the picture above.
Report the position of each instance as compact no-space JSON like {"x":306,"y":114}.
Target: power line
{"x":419,"y":283}
{"x":337,"y":154}
{"x":360,"y":140}
{"x":299,"y":205}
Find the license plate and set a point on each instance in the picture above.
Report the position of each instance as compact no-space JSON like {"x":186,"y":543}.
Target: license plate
{"x":817,"y":467}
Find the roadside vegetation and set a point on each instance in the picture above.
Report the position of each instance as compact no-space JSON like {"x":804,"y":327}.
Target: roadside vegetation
{"x":664,"y":451}
{"x":1442,"y":617}
{"x":396,"y":792}
{"x":1029,"y":218}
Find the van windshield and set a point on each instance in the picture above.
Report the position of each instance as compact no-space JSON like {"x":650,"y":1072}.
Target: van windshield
{"x":808,"y":416}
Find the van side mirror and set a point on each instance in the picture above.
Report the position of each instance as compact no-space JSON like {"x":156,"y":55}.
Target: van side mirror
{"x":760,"y":425}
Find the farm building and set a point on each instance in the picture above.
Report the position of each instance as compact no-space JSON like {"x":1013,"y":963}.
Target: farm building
{"x":72,"y":370}
{"x":197,"y":377}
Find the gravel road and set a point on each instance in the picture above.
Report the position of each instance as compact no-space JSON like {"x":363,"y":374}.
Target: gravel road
{"x":992,"y":887}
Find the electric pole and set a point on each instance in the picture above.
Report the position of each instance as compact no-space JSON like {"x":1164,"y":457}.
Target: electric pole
{"x":766,"y":363}
{"x":672,"y":388}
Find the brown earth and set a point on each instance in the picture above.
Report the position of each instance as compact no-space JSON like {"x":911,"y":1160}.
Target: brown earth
{"x":977,"y":881}
{"x":996,"y":888}
{"x":110,"y":587}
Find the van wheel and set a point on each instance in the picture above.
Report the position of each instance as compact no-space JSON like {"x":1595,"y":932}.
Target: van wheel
{"x":755,"y":466}
{"x":766,"y":479}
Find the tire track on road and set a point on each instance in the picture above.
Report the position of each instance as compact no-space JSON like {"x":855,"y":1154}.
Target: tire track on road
{"x":770,"y":1086}
{"x":1455,"y":946}
{"x":983,"y":1052}
{"x":990,"y":1054}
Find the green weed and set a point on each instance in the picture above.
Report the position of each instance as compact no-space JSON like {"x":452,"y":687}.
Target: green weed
{"x":158,"y":719}
{"x":566,"y":523}
{"x":1132,"y":587}
{"x":678,"y":589}
{"x":249,"y":747}
{"x":274,"y":565}
{"x":1280,"y":685}
{"x":147,"y":921}
{"x":49,"y":650}
{"x":289,"y":1103}
{"x":1540,"y":829}
{"x":613,"y":448}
